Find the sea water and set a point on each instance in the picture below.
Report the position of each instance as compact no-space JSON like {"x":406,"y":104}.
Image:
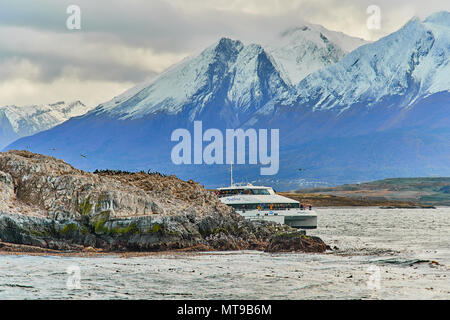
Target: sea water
{"x":378,"y":254}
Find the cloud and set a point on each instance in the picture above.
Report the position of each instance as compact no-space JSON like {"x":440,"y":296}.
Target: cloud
{"x":84,"y":51}
{"x":21,"y":91}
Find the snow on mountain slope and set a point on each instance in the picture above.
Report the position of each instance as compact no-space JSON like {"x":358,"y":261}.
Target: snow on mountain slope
{"x":234,"y":75}
{"x":412,"y":62}
{"x":434,"y":71}
{"x":168,"y":92}
{"x":235,"y":67}
{"x":307,"y":49}
{"x":28,"y":120}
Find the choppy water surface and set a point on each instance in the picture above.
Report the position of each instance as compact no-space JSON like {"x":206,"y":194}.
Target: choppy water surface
{"x":378,"y":258}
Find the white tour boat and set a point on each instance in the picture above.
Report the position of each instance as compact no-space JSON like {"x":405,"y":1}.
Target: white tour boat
{"x":262,"y":203}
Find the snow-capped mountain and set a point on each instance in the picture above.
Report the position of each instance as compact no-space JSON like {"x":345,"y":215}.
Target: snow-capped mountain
{"x":382,"y":110}
{"x":378,"y":86}
{"x":413,"y":62}
{"x":229,"y":77}
{"x":302,"y":51}
{"x":245,"y":76}
{"x":21,"y":121}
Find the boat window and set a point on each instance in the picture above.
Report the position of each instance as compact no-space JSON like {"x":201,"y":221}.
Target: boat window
{"x":233,"y":192}
{"x":227,"y":193}
{"x":241,"y":207}
{"x":266,"y":206}
{"x":263,"y":192}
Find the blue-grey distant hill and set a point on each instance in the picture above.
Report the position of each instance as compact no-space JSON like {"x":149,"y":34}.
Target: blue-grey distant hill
{"x":425,"y":191}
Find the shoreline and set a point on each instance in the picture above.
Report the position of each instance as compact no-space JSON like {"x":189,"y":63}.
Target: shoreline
{"x":13,"y":249}
{"x":10,"y":249}
{"x":318,"y":200}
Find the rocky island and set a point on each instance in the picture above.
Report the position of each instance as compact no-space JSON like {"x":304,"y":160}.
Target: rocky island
{"x":46,"y":204}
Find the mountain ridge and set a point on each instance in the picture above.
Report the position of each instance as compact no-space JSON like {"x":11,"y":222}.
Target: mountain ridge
{"x":361,"y":110}
{"x":21,"y":121}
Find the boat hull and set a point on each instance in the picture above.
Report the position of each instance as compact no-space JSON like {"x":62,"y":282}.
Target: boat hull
{"x":299,"y":219}
{"x":306,"y":221}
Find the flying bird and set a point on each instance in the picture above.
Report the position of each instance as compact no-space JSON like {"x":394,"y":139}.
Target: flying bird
{"x":84,"y":156}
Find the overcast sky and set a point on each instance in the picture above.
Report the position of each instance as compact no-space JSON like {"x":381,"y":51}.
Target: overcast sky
{"x":122,"y":43}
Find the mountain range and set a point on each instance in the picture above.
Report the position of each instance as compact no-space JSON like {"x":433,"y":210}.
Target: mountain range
{"x":22,"y":121}
{"x":347,"y":110}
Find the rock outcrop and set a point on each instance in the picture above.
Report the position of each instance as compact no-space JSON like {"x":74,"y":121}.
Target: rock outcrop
{"x":47,"y":203}
{"x":295,"y":242}
{"x":57,"y":189}
{"x":6,"y":191}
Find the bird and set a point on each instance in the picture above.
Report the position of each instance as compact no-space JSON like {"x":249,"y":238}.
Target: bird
{"x":84,"y":156}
